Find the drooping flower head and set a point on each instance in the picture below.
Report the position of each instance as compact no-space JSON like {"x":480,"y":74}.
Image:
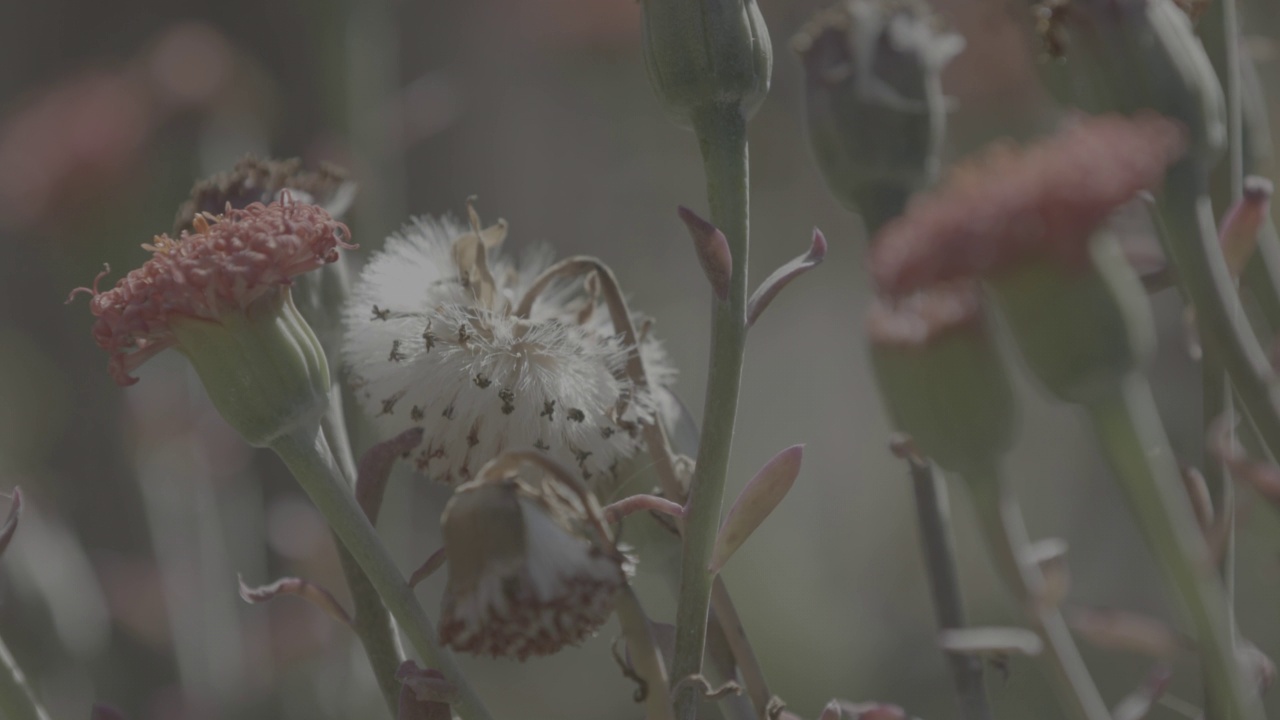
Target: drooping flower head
{"x":1010,"y":205}
{"x":529,"y":570}
{"x":446,"y":333}
{"x":225,"y":265}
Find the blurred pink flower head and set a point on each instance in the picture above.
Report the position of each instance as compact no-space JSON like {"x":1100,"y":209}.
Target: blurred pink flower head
{"x":1009,"y":205}
{"x":226,"y":264}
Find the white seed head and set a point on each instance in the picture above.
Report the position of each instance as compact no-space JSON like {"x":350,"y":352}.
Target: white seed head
{"x":525,"y":578}
{"x":432,"y":340}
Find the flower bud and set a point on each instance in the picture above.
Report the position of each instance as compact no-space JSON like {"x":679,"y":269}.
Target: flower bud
{"x":875,"y":108}
{"x":1080,"y":330}
{"x":525,"y":575}
{"x":941,"y":377}
{"x":706,"y":53}
{"x":1143,"y":54}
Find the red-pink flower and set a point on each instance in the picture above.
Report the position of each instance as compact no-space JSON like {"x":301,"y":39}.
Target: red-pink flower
{"x":227,"y":263}
{"x":1010,"y":205}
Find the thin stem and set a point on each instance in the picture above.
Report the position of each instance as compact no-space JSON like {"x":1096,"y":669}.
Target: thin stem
{"x":309,"y":458}
{"x":1128,"y":427}
{"x":17,"y":702}
{"x":1191,"y":240}
{"x":370,"y":621}
{"x":722,"y":135}
{"x":933,"y":512}
{"x":1000,"y":518}
{"x":643,"y":649}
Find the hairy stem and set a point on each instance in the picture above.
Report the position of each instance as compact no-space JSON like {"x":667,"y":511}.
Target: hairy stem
{"x":312,"y":463}
{"x":17,"y":702}
{"x":1001,"y":520}
{"x":722,"y":135}
{"x":1128,"y":427}
{"x":370,"y":619}
{"x":933,"y":512}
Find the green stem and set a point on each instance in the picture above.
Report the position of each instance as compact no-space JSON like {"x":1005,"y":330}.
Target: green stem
{"x":1128,"y":427}
{"x":309,"y":458}
{"x":722,"y":135}
{"x":933,"y":512}
{"x":1001,"y":522}
{"x":1191,"y":240}
{"x":370,"y":621}
{"x":17,"y":702}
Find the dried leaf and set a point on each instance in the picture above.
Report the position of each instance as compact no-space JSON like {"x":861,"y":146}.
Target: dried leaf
{"x":1239,"y":235}
{"x":1113,"y":629}
{"x":713,"y":251}
{"x":997,"y":641}
{"x":298,"y":587}
{"x":831,"y":711}
{"x":375,"y":468}
{"x":11,"y":522}
{"x":761,"y":495}
{"x":424,"y":694}
{"x":773,"y":284}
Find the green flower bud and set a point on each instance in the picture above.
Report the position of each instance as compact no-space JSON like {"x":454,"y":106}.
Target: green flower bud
{"x":873,"y":90}
{"x":1143,"y":54}
{"x":706,"y":53}
{"x":1081,"y":330}
{"x":263,"y":368}
{"x":941,"y":378}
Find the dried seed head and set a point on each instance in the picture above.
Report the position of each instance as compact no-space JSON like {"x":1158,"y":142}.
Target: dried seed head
{"x":526,"y":574}
{"x":477,"y":377}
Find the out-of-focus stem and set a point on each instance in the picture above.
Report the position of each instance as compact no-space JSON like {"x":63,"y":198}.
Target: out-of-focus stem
{"x":307,"y":454}
{"x":1000,"y":518}
{"x":1128,"y":427}
{"x":370,"y":619}
{"x":722,"y":135}
{"x":17,"y":702}
{"x":933,"y":513}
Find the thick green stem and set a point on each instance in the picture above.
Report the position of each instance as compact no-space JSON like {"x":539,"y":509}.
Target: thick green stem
{"x":933,"y":512}
{"x":309,"y":458}
{"x":1129,"y":429}
{"x":722,"y":135}
{"x":17,"y":702}
{"x":1000,"y":518}
{"x":1191,"y":241}
{"x":370,"y":621}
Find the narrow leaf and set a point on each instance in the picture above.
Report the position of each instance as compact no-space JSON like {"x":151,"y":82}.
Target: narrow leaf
{"x":1239,"y":235}
{"x":761,"y":495}
{"x":713,"y":251}
{"x":1113,"y":629}
{"x":428,"y":568}
{"x":773,"y":284}
{"x":11,"y":522}
{"x":990,"y":641}
{"x":375,"y":467}
{"x":298,"y":587}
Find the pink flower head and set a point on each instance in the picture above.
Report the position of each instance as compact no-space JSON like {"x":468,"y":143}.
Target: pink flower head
{"x":227,"y":263}
{"x":1011,"y":205}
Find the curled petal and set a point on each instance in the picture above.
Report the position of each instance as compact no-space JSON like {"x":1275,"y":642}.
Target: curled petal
{"x":308,"y":591}
{"x":773,"y":284}
{"x":761,"y":495}
{"x":713,"y":251}
{"x":375,"y":467}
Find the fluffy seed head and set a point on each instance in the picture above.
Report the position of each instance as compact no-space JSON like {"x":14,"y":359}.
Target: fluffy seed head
{"x":433,"y":341}
{"x":1012,"y":204}
{"x":225,"y":264}
{"x":526,"y":576}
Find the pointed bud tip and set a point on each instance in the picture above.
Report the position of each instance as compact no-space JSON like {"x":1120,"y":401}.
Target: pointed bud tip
{"x":713,"y":251}
{"x":818,"y":250}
